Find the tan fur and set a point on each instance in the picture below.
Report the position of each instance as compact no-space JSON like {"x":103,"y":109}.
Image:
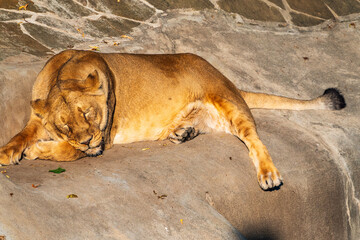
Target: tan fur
{"x":84,"y":102}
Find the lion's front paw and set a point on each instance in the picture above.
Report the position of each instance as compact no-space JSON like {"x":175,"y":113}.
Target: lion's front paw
{"x":32,"y":152}
{"x":269,"y":177}
{"x":52,"y":150}
{"x":94,"y":152}
{"x":9,"y":155}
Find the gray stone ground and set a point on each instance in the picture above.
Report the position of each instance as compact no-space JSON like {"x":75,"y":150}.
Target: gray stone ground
{"x":292,"y":48}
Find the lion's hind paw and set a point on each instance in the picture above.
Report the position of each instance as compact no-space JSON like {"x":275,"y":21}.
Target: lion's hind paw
{"x":270,"y":180}
{"x":181,"y":135}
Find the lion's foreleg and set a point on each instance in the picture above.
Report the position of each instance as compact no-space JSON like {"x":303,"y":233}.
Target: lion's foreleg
{"x":11,"y":153}
{"x":53,"y":150}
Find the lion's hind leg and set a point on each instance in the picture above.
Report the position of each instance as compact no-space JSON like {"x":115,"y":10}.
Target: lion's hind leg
{"x":53,"y":150}
{"x":185,"y":126}
{"x":235,"y":117}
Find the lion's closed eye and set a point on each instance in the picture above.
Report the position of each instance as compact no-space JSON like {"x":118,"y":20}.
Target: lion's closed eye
{"x":62,"y":126}
{"x":62,"y":129}
{"x":65,"y":129}
{"x":88,"y":113}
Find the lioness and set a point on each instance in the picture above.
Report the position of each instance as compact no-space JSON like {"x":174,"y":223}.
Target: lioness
{"x":84,"y":102}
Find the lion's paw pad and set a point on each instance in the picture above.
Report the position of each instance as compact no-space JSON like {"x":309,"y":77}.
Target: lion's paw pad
{"x":183,"y":134}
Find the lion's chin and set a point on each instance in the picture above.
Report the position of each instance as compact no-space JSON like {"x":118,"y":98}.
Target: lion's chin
{"x":93,"y":152}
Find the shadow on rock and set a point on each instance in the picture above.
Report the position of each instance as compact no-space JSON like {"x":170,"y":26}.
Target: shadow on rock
{"x":260,"y":234}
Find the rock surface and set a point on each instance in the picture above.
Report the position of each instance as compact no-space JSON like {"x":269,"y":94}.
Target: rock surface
{"x":210,"y":185}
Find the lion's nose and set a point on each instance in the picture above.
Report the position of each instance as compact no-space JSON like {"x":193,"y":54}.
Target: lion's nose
{"x":87,"y":142}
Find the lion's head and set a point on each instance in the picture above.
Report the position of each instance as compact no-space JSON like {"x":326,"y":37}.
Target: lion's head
{"x":78,"y":108}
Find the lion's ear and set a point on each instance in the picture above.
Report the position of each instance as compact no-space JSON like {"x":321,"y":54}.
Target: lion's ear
{"x":39,"y":107}
{"x":93,"y":85}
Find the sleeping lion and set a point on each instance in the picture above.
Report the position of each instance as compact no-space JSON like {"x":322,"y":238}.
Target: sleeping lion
{"x":84,"y":102}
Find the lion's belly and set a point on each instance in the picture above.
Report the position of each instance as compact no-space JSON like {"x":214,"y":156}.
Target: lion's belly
{"x":147,"y":127}
{"x":204,"y":117}
{"x":133,"y":134}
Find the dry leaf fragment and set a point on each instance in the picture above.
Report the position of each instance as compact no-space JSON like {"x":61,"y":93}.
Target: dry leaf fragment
{"x":125,"y":36}
{"x":82,"y":33}
{"x":162,"y":196}
{"x":352,"y":25}
{"x":282,"y":24}
{"x":23,"y":7}
{"x":209,"y":199}
{"x":305,"y":58}
{"x":94,"y":48}
{"x":144,"y":149}
{"x":72,"y":196}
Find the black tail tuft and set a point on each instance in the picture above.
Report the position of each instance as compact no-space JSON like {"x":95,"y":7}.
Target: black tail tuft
{"x":334,"y":98}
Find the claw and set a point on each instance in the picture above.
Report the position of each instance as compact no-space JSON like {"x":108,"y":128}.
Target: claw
{"x":270,"y":180}
{"x":9,"y":156}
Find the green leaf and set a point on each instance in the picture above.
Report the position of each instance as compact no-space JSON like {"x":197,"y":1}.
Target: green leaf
{"x":57,"y":171}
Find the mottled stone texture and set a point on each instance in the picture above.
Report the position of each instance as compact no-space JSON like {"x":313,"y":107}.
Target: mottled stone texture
{"x":343,"y":8}
{"x":6,"y":15}
{"x":16,"y":80}
{"x":305,"y":20}
{"x":255,"y":9}
{"x":13,"y":41}
{"x":315,"y":7}
{"x":67,"y":9}
{"x":279,"y":3}
{"x":173,"y":4}
{"x":15,"y":4}
{"x":49,"y":37}
{"x":126,"y":8}
{"x":108,"y":27}
{"x":315,"y":193}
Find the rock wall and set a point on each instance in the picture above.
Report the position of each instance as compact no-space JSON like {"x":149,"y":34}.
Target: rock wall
{"x":290,"y":48}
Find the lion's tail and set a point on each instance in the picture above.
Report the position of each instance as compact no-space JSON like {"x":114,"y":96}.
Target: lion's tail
{"x":330,"y":100}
